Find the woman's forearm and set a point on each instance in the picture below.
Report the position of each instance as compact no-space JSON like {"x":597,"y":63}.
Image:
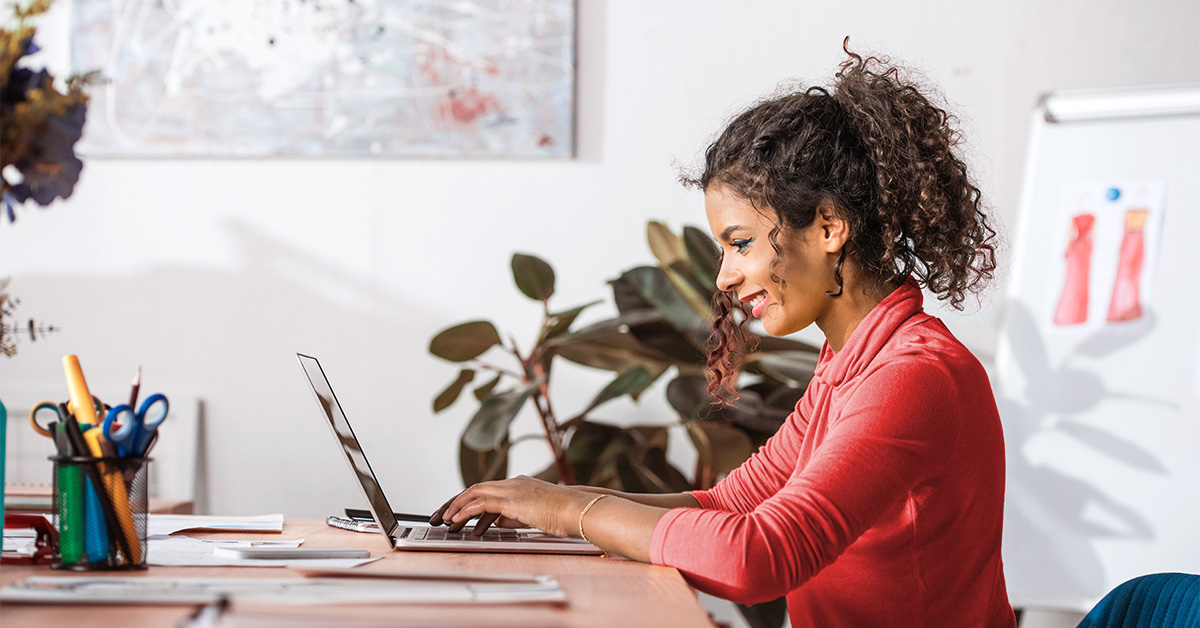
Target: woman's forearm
{"x":658,"y":500}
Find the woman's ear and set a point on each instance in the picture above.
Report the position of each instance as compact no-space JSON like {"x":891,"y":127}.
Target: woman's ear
{"x":832,"y":230}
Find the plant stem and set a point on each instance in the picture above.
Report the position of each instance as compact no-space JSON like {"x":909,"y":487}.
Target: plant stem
{"x":535,"y":373}
{"x":566,"y":474}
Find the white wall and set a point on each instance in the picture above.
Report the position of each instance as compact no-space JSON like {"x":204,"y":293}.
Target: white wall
{"x":211,"y":274}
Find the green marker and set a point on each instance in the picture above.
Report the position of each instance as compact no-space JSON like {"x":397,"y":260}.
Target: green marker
{"x":70,"y":506}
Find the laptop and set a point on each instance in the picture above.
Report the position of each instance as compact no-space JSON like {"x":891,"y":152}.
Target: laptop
{"x":404,"y":537}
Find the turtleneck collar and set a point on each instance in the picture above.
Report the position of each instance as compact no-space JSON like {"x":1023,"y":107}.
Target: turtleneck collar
{"x":871,"y":335}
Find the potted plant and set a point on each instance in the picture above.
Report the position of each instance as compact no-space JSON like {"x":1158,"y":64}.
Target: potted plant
{"x":662,"y":326}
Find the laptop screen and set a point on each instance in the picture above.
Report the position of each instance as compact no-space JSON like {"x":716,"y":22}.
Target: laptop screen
{"x":345,"y":436}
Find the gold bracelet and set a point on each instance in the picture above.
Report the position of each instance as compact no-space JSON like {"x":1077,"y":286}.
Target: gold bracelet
{"x":584,"y":512}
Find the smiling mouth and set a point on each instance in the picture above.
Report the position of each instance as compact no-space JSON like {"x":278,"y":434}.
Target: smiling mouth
{"x":758,"y":303}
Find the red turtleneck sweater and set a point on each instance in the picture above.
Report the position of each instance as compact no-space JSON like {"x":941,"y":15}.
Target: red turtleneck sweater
{"x":878,"y":503}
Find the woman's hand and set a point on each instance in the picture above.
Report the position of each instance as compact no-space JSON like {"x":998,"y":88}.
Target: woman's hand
{"x":515,"y":503}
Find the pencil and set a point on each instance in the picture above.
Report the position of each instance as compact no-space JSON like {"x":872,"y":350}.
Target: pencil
{"x":133,"y":392}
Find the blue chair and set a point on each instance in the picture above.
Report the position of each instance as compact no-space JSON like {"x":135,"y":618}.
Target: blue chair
{"x":1161,"y":600}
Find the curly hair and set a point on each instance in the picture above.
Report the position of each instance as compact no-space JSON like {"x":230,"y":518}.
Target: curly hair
{"x":877,"y":149}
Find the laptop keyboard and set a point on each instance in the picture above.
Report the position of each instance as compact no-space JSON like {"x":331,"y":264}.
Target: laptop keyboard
{"x":442,"y":534}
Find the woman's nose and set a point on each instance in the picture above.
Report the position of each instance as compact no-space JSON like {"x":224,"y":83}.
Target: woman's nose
{"x":728,"y":277}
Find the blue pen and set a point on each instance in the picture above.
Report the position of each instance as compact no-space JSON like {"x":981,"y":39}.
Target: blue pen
{"x":95,"y":531}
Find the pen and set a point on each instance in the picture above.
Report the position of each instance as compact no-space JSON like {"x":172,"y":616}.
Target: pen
{"x":133,"y":391}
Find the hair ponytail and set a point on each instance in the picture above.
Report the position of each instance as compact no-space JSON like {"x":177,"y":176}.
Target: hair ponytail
{"x":929,"y":212}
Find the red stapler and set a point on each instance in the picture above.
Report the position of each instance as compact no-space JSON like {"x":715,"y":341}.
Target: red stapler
{"x":47,"y":540}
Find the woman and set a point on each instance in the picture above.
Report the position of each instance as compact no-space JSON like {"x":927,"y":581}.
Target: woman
{"x":880,"y":500}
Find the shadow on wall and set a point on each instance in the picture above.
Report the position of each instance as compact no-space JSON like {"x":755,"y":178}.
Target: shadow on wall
{"x":229,"y":337}
{"x":1042,"y":498}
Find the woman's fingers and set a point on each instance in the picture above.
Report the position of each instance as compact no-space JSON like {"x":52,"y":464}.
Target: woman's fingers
{"x":473,"y":508}
{"x":485,"y":522}
{"x":513,"y":503}
{"x":436,"y":518}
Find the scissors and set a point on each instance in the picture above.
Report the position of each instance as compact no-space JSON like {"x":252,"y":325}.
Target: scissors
{"x":59,"y":413}
{"x":46,"y":429}
{"x":133,"y":433}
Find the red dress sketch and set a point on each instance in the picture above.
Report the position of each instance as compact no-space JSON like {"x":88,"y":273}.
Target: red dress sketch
{"x":1126,"y":304}
{"x":1073,"y":302}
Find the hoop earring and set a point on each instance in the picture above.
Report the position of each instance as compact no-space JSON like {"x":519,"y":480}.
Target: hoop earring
{"x":837,"y":274}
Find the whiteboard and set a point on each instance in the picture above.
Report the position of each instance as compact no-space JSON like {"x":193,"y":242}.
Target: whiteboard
{"x":1102,"y":417}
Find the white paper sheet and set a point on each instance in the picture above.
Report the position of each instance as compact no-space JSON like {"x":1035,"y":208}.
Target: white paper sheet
{"x":167,"y":524}
{"x":184,"y":551}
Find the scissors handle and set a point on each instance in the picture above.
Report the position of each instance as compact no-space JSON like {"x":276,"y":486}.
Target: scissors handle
{"x":160,"y":416}
{"x":149,"y":427}
{"x":44,"y":430}
{"x":135,"y":429}
{"x":120,"y":428}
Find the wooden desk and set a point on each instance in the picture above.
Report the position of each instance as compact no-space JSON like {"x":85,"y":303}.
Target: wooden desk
{"x":602,"y":592}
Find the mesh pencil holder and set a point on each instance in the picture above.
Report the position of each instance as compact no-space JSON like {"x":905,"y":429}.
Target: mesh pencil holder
{"x":100,"y":512}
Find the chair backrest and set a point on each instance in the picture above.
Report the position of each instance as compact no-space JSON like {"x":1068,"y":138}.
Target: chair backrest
{"x":1161,"y":600}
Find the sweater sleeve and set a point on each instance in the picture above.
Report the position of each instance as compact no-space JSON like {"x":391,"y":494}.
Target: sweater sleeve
{"x":898,"y":428}
{"x":763,"y":473}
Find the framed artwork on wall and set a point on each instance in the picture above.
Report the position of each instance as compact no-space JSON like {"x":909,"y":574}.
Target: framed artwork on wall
{"x":326,"y":78}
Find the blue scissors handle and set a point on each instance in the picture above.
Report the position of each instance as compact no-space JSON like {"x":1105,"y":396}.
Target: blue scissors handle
{"x":135,"y":429}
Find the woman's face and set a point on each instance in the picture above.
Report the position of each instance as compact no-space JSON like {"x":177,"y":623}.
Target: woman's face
{"x":806,"y":266}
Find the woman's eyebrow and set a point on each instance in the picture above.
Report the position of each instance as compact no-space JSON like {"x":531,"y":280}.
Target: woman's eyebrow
{"x":729,"y":231}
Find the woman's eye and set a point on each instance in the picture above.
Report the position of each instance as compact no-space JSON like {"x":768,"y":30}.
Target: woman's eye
{"x":742,"y":245}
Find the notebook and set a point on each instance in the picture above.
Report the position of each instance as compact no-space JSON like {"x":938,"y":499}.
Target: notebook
{"x":405,"y":537}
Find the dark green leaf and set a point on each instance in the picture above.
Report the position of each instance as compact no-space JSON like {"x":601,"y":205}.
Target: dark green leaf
{"x":721,"y":447}
{"x":792,"y":367}
{"x":773,"y":344}
{"x":749,"y":413}
{"x":484,"y":391}
{"x":703,"y":256}
{"x":464,"y":342}
{"x":614,"y":352}
{"x":489,"y":427}
{"x":630,"y":382}
{"x":655,"y":461}
{"x":473,"y":464}
{"x":678,"y":274}
{"x":647,"y":331}
{"x":586,"y":447}
{"x":451,"y":393}
{"x":783,"y":398}
{"x":534,"y":277}
{"x":665,"y":245}
{"x":656,"y":288}
{"x":560,"y":322}
{"x":688,"y":395}
{"x":649,"y":436}
{"x":626,"y":296}
{"x":609,"y":327}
